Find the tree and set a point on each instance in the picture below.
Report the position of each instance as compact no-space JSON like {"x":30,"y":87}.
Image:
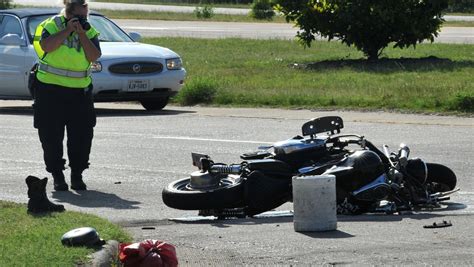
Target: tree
{"x":369,"y":25}
{"x":5,"y":4}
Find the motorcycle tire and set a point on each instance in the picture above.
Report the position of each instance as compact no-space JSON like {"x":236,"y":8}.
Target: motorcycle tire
{"x":178,"y":195}
{"x":442,"y":177}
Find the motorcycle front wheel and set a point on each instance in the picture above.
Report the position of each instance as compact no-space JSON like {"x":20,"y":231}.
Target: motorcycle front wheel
{"x":441,"y":177}
{"x":228,"y":194}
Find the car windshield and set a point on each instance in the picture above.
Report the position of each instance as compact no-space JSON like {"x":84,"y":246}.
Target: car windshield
{"x":109,"y":32}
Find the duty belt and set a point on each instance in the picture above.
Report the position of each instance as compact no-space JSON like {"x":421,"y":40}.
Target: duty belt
{"x":62,"y":72}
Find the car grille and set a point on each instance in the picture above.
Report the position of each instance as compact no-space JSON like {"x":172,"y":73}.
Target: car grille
{"x":136,"y":68}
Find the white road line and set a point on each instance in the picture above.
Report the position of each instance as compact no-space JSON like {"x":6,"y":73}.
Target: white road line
{"x":187,"y":138}
{"x":210,"y":140}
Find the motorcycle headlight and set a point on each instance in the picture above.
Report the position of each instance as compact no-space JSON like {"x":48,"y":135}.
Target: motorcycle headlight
{"x":417,"y":169}
{"x":174,"y":64}
{"x":96,"y":66}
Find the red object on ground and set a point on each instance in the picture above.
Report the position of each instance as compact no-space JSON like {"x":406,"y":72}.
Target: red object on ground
{"x":148,"y":253}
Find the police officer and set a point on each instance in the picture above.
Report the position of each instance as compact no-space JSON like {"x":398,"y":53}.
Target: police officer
{"x":66,"y":45}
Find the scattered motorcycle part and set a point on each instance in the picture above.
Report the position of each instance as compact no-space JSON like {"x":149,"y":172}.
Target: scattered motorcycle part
{"x":439,"y":225}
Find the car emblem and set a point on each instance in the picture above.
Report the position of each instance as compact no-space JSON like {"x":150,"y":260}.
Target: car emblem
{"x":136,"y":68}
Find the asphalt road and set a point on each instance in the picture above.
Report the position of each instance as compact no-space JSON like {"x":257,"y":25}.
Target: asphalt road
{"x":202,"y":29}
{"x":136,"y":153}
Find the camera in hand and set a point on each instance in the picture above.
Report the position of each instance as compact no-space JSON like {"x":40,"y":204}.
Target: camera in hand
{"x":84,"y":23}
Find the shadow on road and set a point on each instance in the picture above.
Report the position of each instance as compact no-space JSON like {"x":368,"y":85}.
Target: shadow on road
{"x":374,"y":217}
{"x":17,"y":110}
{"x":387,"y":65}
{"x":94,"y":199}
{"x":104,"y":112}
{"x":224,"y":223}
{"x":386,"y":217}
{"x":328,"y":234}
{"x":101,"y":112}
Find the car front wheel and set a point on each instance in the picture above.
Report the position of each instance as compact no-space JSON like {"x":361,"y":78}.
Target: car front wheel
{"x":154,"y":104}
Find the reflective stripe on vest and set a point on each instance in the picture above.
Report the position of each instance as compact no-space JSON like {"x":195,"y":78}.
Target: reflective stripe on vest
{"x":63,"y":72}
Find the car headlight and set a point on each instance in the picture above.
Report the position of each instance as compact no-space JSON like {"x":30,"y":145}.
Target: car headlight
{"x":96,"y":66}
{"x":174,"y":63}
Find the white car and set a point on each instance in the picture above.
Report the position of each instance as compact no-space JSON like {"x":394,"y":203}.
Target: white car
{"x":126,"y":71}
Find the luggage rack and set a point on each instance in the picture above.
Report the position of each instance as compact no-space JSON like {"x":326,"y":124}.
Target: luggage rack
{"x":328,"y":124}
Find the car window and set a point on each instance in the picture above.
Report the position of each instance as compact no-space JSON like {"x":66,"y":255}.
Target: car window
{"x":32,"y":23}
{"x":109,"y":32}
{"x":10,"y":25}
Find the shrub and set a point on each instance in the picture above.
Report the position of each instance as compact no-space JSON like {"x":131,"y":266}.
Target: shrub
{"x":366,"y":24}
{"x":204,"y":12}
{"x":199,"y":90}
{"x":5,"y":4}
{"x":463,"y":102}
{"x":262,"y":9}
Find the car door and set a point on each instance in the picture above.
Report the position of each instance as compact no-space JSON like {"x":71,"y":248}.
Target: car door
{"x":13,"y":49}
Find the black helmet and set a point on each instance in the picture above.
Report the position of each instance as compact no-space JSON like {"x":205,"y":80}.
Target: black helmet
{"x":85,"y":236}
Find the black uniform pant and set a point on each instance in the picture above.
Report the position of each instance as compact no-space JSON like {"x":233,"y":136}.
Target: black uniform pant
{"x":57,"y":108}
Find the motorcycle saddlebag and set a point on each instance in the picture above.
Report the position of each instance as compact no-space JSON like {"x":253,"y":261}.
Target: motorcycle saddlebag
{"x":263,"y":193}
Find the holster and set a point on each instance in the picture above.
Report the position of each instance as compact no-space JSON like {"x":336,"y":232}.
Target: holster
{"x":32,"y":80}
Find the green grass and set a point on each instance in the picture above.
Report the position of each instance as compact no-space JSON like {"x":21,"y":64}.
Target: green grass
{"x":135,"y":14}
{"x":27,"y":240}
{"x":432,"y":77}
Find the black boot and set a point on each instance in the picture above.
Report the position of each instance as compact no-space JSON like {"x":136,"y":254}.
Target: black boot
{"x":59,"y":181}
{"x":76,"y":181}
{"x":39,"y":202}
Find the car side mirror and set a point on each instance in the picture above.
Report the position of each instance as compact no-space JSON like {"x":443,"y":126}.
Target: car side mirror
{"x":135,"y":36}
{"x":11,"y":39}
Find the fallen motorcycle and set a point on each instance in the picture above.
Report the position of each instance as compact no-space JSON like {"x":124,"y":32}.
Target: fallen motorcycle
{"x":367,"y":179}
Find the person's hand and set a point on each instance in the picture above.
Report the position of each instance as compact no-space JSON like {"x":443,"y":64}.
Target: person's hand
{"x":79,"y":29}
{"x":73,"y":25}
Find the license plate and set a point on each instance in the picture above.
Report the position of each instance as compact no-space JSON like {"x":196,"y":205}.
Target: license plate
{"x":138,"y":85}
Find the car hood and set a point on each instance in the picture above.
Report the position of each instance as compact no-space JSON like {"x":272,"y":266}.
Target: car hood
{"x":114,"y":50}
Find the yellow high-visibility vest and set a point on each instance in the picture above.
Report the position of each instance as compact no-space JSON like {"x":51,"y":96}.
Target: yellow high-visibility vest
{"x":66,"y":66}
